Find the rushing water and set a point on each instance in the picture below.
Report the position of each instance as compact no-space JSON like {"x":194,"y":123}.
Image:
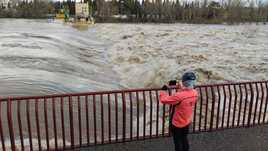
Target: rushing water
{"x":41,"y":57}
{"x":38,"y":57}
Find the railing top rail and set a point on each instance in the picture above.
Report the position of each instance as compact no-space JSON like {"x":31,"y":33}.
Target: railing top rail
{"x":116,"y":91}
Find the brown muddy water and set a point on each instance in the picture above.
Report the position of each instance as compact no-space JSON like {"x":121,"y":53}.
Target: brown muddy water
{"x":41,"y":57}
{"x":38,"y":57}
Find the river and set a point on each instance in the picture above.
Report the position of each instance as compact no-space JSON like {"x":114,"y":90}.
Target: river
{"x":39,"y":57}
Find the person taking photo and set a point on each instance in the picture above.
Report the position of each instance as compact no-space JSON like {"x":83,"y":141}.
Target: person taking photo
{"x":182,"y":103}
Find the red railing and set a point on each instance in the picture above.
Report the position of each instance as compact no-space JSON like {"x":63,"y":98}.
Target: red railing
{"x":59,"y":122}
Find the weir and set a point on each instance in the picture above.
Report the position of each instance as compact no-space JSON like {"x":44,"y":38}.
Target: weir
{"x":73,"y":121}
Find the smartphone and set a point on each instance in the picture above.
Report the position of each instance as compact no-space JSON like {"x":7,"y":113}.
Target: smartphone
{"x":172,"y":82}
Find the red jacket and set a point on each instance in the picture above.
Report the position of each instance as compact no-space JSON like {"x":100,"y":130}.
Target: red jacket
{"x":183,"y":112}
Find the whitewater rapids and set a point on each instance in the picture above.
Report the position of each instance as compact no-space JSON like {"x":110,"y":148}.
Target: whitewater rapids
{"x":38,"y":57}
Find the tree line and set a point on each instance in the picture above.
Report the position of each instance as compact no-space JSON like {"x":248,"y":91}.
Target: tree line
{"x":230,"y":11}
{"x":168,"y":11}
{"x":28,"y":9}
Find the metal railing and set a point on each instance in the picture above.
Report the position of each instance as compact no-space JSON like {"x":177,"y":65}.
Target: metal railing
{"x":67,"y":121}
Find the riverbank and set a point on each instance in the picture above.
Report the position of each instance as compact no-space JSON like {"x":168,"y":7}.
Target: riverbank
{"x":133,"y":11}
{"x":130,"y":20}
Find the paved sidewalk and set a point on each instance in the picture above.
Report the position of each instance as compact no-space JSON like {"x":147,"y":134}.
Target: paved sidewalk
{"x":244,"y":139}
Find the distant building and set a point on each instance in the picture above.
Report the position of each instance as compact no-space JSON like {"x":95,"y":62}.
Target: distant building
{"x":4,"y":4}
{"x":8,"y":3}
{"x":14,"y":2}
{"x":82,"y":10}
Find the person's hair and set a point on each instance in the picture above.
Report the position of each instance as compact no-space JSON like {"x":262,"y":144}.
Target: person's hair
{"x":189,"y":83}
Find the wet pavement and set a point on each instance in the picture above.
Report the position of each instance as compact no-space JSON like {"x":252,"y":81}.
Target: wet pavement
{"x":243,"y":139}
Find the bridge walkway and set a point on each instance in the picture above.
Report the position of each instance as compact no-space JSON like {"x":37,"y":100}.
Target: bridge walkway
{"x":242,"y":139}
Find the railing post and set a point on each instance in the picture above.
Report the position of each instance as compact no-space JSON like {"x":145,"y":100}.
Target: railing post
{"x":235,"y":104}
{"x":218,"y":109}
{"x":250,"y":105}
{"x":54,"y":123}
{"x":138,"y":115}
{"x":201,"y":107}
{"x":95,"y":119}
{"x":29,"y":123}
{"x":1,"y":131}
{"x":256,"y":103}
{"x":79,"y":120}
{"x":144,"y":114}
{"x":245,"y":105}
{"x":151,"y":113}
{"x":261,"y":106}
{"x":266,"y":104}
{"x":62,"y":121}
{"x":109,"y":118}
{"x":10,"y":125}
{"x":206,"y":112}
{"x":102,"y":119}
{"x":116,"y":116}
{"x":171,"y":108}
{"x":212,"y":110}
{"x":71,"y":121}
{"x":87,"y":120}
{"x":20,"y":126}
{"x":157,"y":112}
{"x":230,"y":106}
{"x":124,"y":115}
{"x":131,"y":116}
{"x":46,"y":123}
{"x":37,"y":123}
{"x":240,"y":104}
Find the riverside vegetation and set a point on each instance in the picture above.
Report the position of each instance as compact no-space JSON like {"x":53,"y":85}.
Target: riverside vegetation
{"x":165,"y":11}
